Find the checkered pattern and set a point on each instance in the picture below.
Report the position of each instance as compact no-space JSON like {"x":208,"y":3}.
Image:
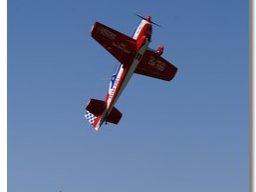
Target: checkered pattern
{"x":90,"y":117}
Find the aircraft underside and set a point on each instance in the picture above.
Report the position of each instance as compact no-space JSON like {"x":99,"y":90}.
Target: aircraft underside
{"x":134,"y":57}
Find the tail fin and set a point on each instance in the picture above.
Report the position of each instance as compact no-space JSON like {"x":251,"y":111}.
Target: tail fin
{"x":90,"y":117}
{"x":94,"y":111}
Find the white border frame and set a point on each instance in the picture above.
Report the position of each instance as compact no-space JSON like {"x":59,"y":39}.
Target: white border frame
{"x":252,"y":53}
{"x":3,"y":95}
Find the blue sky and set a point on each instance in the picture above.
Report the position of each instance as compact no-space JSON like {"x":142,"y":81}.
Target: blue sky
{"x":190,"y":134}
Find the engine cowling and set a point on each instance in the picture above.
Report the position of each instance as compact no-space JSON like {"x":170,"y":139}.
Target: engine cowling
{"x":140,"y":42}
{"x":160,"y":50}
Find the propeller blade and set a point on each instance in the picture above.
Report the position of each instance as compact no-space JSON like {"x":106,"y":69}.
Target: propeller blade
{"x":149,"y":21}
{"x":155,"y":24}
{"x":140,"y":16}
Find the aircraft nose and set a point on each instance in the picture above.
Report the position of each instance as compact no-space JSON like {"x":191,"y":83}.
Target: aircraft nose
{"x":148,"y":18}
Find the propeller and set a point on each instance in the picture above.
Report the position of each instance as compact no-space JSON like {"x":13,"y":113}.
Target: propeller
{"x":148,"y":18}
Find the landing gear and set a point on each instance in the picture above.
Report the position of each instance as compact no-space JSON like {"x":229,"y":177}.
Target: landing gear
{"x":160,"y":50}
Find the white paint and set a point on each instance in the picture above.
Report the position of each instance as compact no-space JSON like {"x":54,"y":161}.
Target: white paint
{"x":112,"y":90}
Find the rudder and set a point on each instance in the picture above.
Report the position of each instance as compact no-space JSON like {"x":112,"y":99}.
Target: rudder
{"x":90,"y":117}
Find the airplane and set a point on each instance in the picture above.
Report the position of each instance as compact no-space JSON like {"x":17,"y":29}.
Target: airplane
{"x":134,"y":56}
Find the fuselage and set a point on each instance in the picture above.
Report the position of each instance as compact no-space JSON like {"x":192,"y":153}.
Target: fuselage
{"x":124,"y":73}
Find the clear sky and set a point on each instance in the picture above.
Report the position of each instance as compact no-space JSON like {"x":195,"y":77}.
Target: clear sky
{"x":190,"y":134}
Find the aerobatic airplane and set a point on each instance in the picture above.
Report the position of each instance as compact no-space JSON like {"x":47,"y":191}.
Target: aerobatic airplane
{"x":134,"y":57}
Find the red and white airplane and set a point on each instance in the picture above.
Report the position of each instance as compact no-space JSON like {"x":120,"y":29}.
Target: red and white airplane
{"x":134,"y":57}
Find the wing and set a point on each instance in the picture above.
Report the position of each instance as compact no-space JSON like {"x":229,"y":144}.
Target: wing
{"x":153,"y":65}
{"x":118,"y":44}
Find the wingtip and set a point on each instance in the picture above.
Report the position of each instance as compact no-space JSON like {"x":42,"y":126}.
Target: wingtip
{"x":92,"y":27}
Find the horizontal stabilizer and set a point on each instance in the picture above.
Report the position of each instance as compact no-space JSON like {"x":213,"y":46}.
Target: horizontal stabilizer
{"x":96,"y":107}
{"x":114,"y":116}
{"x":95,"y":111}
